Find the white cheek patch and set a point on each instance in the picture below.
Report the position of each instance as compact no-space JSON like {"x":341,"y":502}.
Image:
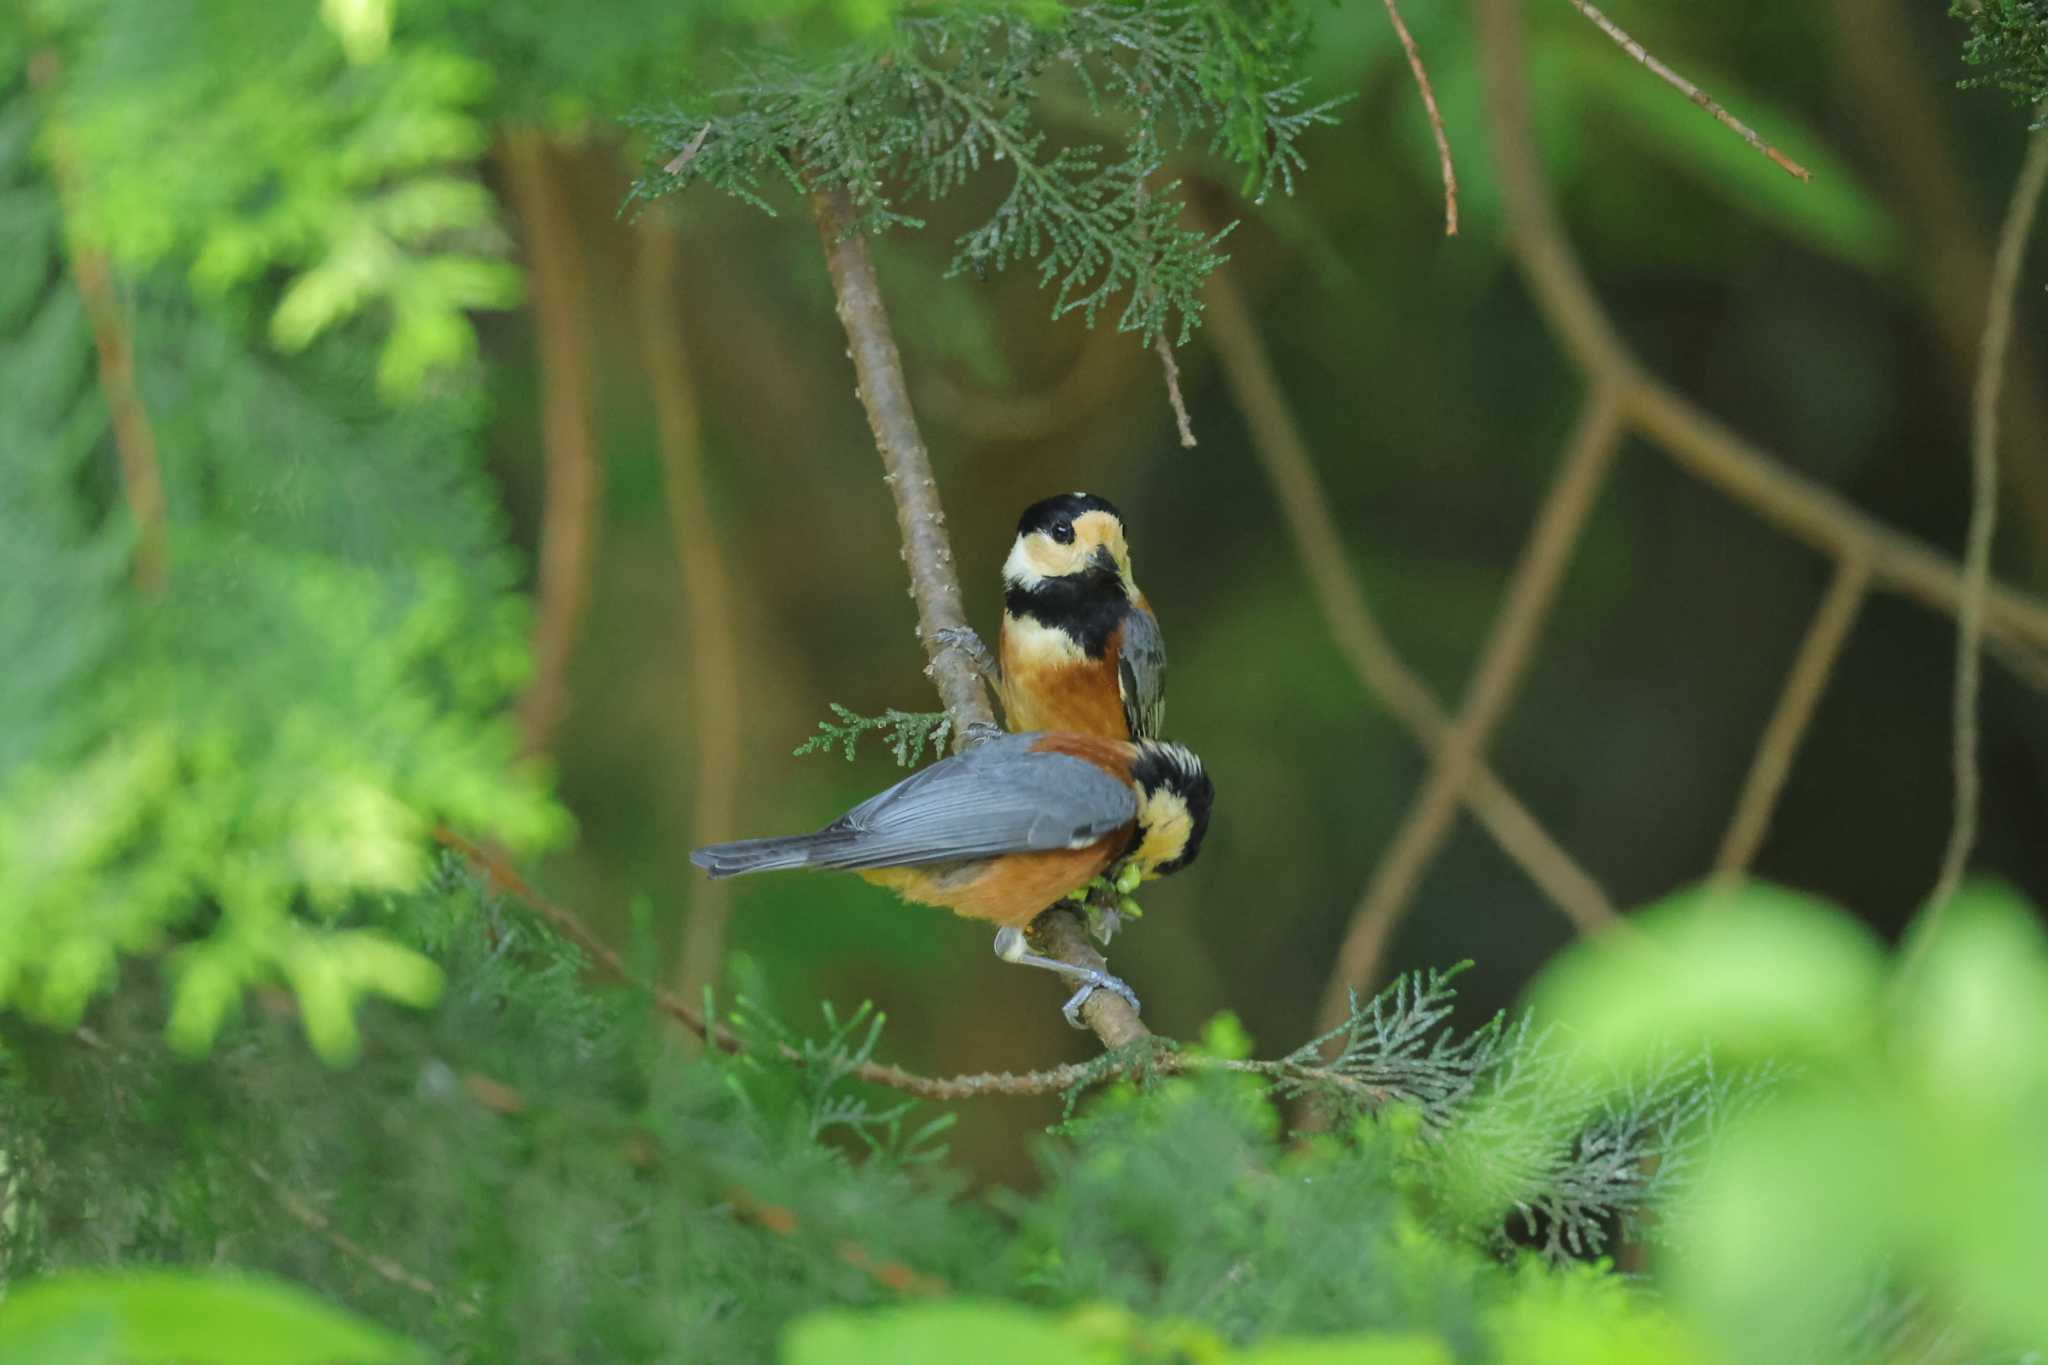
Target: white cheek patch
{"x":1018,"y":570}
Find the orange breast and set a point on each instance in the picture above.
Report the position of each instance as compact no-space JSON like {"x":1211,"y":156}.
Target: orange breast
{"x":1010,"y":890}
{"x":1056,"y":690}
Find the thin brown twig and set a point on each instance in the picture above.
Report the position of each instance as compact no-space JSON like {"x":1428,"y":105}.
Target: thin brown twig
{"x":1305,"y":509}
{"x":1692,"y":438}
{"x":707,"y":598}
{"x":142,"y":479}
{"x":1173,"y":394}
{"x":1688,"y":89}
{"x":1531,"y":591}
{"x":575,"y":476}
{"x":928,"y":552}
{"x":1436,"y":118}
{"x":380,"y":1265}
{"x":2005,"y":274}
{"x":1811,"y":668}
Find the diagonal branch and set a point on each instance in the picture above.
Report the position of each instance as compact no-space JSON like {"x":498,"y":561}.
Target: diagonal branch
{"x":928,"y":552}
{"x":1688,"y":89}
{"x":1811,"y":668}
{"x":575,"y":476}
{"x":2005,"y":274}
{"x":1530,"y":592}
{"x":707,"y":599}
{"x":1305,"y":508}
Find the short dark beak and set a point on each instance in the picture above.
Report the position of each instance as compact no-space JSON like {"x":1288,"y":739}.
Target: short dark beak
{"x":1100,"y":558}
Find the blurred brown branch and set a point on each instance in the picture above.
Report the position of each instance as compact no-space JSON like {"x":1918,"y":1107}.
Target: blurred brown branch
{"x":142,"y":479}
{"x":707,"y":597}
{"x":1688,"y":89}
{"x":1531,"y":590}
{"x":2005,"y":274}
{"x":1695,"y":440}
{"x":1436,"y":118}
{"x":928,"y":553}
{"x":302,"y":1212}
{"x":575,"y":476}
{"x":1818,"y":651}
{"x":1305,"y":508}
{"x":1907,"y":126}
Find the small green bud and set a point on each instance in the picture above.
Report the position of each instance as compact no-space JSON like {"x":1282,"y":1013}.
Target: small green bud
{"x":1128,"y":908}
{"x":1128,"y":880}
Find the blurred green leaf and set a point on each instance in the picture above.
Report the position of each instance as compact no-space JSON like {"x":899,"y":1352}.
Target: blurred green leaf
{"x":183,"y":1318}
{"x":1753,"y":970}
{"x":987,"y":1332}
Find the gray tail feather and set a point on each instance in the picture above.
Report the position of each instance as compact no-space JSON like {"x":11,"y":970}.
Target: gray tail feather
{"x":764,"y":855}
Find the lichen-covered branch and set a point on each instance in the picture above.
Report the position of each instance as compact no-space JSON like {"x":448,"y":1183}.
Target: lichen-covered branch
{"x":928,"y":551}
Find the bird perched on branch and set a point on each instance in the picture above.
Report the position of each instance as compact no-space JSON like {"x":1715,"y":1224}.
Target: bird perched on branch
{"x":1005,"y":829}
{"x":1080,"y":648}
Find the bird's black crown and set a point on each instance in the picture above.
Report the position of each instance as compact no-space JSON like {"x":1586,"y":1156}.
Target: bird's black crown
{"x":1061,"y":508}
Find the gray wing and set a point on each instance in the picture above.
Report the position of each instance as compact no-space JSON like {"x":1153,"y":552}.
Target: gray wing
{"x":1141,"y":674}
{"x":996,"y":798}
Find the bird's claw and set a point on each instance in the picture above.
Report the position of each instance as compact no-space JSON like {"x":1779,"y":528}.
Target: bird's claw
{"x":969,"y":642}
{"x":981,"y":732}
{"x":1097,"y":981}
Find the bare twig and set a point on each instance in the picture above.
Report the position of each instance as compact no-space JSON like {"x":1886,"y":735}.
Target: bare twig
{"x":1436,"y":118}
{"x":2005,"y":273}
{"x":1696,"y":441}
{"x":1530,"y":592}
{"x":707,"y":599}
{"x":142,"y":479}
{"x":1688,"y":89}
{"x":1173,"y":394}
{"x":1825,"y":636}
{"x":380,"y":1265}
{"x":1306,"y":511}
{"x":575,"y":476}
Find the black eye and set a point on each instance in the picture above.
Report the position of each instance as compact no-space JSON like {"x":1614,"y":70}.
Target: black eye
{"x":1063,"y":532}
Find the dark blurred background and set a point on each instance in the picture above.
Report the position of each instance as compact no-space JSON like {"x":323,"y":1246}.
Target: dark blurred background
{"x":1835,"y":324}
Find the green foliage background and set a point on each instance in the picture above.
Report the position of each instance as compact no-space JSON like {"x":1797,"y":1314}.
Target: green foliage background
{"x":249,"y":1017}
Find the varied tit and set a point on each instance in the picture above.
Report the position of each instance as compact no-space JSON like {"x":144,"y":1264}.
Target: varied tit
{"x":1006,"y":829}
{"x":1080,"y":648}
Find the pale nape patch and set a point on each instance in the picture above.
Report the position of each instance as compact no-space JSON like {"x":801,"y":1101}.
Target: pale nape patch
{"x":1163,"y":815}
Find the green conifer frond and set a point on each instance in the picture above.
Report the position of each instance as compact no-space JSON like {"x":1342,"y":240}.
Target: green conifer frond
{"x":958,"y":93}
{"x":2011,"y":38}
{"x":909,"y":731}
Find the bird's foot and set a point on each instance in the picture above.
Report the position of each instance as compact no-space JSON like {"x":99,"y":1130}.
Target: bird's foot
{"x":1093,"y":982}
{"x":1011,"y":946}
{"x":980,"y":732}
{"x":964,"y":639}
